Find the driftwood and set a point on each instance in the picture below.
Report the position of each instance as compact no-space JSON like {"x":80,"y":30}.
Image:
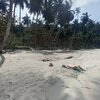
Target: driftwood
{"x":74,"y":67}
{"x":69,"y":57}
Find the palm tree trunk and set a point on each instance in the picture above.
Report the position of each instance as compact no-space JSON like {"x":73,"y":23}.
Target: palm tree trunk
{"x":71,"y":42}
{"x":37,"y":18}
{"x":20,"y":16}
{"x":14,"y":12}
{"x":77,"y":17}
{"x":8,"y":25}
{"x":73,"y":36}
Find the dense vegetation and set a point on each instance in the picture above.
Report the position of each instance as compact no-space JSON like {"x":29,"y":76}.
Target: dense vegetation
{"x":54,"y":25}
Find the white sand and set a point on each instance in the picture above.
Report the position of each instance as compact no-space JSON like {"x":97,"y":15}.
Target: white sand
{"x":24,"y":76}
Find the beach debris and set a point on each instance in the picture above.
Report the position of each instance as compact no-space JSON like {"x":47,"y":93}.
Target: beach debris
{"x":2,"y":51}
{"x":74,"y":67}
{"x":51,"y":65}
{"x":69,"y":57}
{"x":46,"y":59}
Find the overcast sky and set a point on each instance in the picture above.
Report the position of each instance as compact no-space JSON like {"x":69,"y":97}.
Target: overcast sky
{"x":90,"y":6}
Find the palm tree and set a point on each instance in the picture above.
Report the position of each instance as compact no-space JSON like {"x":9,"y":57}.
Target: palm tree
{"x":85,"y":18}
{"x":48,"y":11}
{"x":77,"y":11}
{"x":57,"y":12}
{"x":21,"y":5}
{"x":26,"y":20}
{"x":8,"y":24}
{"x":3,"y":7}
{"x":35,"y":7}
{"x":63,"y":12}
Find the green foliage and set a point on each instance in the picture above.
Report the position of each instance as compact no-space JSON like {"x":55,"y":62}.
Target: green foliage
{"x":26,"y":20}
{"x":48,"y":11}
{"x":13,"y":42}
{"x":35,"y":6}
{"x":58,"y":27}
{"x":3,"y":6}
{"x":2,"y":29}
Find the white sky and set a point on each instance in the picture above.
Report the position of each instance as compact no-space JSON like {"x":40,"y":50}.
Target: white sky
{"x":82,"y":3}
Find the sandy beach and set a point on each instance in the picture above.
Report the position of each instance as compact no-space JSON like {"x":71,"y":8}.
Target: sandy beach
{"x":25,"y":76}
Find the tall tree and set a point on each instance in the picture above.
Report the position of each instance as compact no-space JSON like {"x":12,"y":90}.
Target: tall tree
{"x":75,"y":26}
{"x":48,"y":11}
{"x":20,"y":3}
{"x":63,"y":12}
{"x":8,"y":24}
{"x":85,"y":18}
{"x":35,"y":7}
{"x":57,"y":11}
{"x":77,"y":11}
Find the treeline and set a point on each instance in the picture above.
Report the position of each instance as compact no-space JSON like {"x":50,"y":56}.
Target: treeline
{"x":54,"y":25}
